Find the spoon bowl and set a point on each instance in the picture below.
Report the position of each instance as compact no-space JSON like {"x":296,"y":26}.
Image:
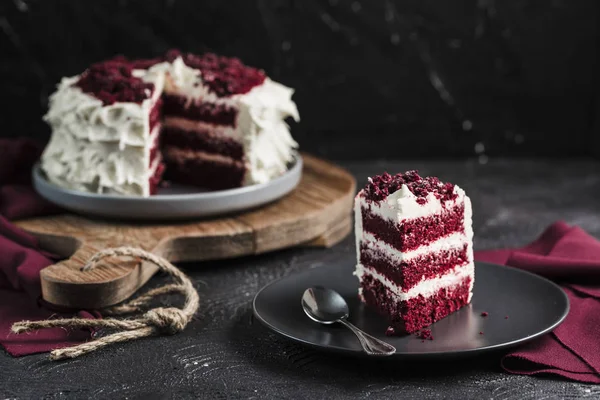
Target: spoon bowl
{"x":327,"y":306}
{"x":324,"y":305}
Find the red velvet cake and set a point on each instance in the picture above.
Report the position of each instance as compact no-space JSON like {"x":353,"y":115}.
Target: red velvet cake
{"x":208,"y":121}
{"x":414,"y":249}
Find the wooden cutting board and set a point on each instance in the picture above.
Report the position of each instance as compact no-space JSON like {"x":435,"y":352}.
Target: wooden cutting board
{"x":316,"y":213}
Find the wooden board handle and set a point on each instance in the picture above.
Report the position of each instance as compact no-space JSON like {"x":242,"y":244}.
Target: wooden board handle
{"x":118,"y":278}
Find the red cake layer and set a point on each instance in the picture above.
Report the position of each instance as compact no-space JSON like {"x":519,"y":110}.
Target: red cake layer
{"x":179,"y":106}
{"x":203,"y":140}
{"x":409,"y":273}
{"x":416,"y":313}
{"x":203,"y":170}
{"x":156,"y":178}
{"x":155,"y":114}
{"x":409,"y":234}
{"x":154,"y":154}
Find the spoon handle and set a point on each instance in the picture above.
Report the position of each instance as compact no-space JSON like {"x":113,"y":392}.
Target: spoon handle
{"x":371,"y":345}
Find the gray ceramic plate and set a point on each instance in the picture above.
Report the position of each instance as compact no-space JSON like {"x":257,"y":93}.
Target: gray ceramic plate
{"x":175,"y":202}
{"x":534,"y":306}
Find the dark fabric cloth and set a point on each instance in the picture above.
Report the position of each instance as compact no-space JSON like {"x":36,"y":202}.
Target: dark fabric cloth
{"x":21,"y":259}
{"x":571,"y":257}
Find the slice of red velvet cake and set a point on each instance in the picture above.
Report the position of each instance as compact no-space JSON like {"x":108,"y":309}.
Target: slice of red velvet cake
{"x":414,"y":249}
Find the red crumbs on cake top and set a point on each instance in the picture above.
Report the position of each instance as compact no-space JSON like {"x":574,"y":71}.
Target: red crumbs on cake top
{"x":381,"y":186}
{"x":425,"y":334}
{"x":223,"y":75}
{"x":112,"y":81}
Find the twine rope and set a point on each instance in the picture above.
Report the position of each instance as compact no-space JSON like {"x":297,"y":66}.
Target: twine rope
{"x":161,"y":320}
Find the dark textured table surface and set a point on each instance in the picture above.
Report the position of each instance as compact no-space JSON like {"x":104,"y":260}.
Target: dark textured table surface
{"x":225,"y":354}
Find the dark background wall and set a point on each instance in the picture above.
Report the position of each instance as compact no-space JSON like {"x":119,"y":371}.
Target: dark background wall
{"x":374,"y":78}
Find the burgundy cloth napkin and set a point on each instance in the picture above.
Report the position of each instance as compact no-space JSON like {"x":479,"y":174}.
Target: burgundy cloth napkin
{"x":570,"y":256}
{"x":20,"y":258}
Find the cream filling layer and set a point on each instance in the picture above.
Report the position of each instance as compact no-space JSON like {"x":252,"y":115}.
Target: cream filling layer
{"x":174,"y":154}
{"x":202,"y":126}
{"x":426,"y":288}
{"x":454,"y":241}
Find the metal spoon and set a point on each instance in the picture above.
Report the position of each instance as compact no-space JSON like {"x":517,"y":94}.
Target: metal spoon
{"x":326,"y":306}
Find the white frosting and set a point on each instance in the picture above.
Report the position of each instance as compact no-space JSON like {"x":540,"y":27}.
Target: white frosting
{"x":106,"y":149}
{"x":98,"y":148}
{"x":268,"y":144}
{"x":182,"y":80}
{"x":425,"y":288}
{"x":83,"y":116}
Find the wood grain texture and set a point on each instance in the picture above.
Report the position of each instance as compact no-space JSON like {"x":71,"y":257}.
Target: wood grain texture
{"x":316,"y":213}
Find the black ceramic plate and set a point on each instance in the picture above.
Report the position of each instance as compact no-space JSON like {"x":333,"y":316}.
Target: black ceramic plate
{"x":534,"y":306}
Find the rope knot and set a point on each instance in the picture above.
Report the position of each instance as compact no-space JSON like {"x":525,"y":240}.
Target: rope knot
{"x":163,"y":320}
{"x":169,"y":320}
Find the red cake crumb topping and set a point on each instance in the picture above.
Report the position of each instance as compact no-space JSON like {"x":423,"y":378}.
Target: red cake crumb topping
{"x":381,"y":186}
{"x":484,"y":314}
{"x":426,"y":334}
{"x":223,"y":75}
{"x":111,"y":81}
